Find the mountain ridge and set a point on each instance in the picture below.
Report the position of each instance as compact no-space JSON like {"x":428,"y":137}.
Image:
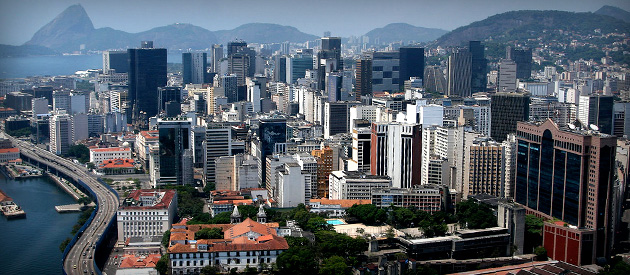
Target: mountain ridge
{"x":404,"y":32}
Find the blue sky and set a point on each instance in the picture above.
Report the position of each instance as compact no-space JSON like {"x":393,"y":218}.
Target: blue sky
{"x":20,"y":19}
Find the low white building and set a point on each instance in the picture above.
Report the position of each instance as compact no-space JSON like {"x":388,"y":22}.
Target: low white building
{"x":146,"y":213}
{"x":350,"y":185}
{"x":98,"y":155}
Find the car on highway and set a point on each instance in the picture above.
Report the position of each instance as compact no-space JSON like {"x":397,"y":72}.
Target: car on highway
{"x":74,"y":266}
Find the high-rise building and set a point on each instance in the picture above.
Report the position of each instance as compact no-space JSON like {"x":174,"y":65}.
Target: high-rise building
{"x":363,"y":77}
{"x":61,"y":133}
{"x":297,"y":65}
{"x":567,"y":175}
{"x":361,"y":147}
{"x":324,"y":159}
{"x":523,"y":59}
{"x":328,"y":58}
{"x":385,"y":71}
{"x":238,"y":64}
{"x":621,"y":118}
{"x":334,"y":82}
{"x":229,"y":83}
{"x":218,"y":143}
{"x":116,"y":60}
{"x":378,"y":149}
{"x":507,"y":76}
{"x":505,"y":111}
{"x":337,"y":117}
{"x":479,"y":67}
{"x":147,"y":72}
{"x":174,"y":142}
{"x":411,"y":64}
{"x":235,"y":46}
{"x":217,"y":55}
{"x":459,"y":74}
{"x":404,"y":154}
{"x":597,"y":110}
{"x":168,"y":94}
{"x":270,"y":132}
{"x":484,"y":165}
{"x":195,"y":68}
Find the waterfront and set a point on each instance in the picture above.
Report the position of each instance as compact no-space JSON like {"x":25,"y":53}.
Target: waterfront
{"x":32,"y":244}
{"x":20,"y":67}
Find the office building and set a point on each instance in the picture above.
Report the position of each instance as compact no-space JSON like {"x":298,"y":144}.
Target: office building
{"x":175,"y":151}
{"x":229,"y":83}
{"x":523,"y":60}
{"x":567,"y":175}
{"x":116,"y":60}
{"x":363,"y":85}
{"x":459,"y":74}
{"x":328,"y":59}
{"x":169,"y":94}
{"x":506,"y":110}
{"x":146,"y":213}
{"x":348,"y":185}
{"x":217,"y":55}
{"x":238,"y":65}
{"x":61,"y":133}
{"x":218,"y":143}
{"x":484,"y":168}
{"x":596,"y":110}
{"x":195,"y":68}
{"x":621,"y":118}
{"x":507,"y":76}
{"x":337,"y":117}
{"x":294,"y":185}
{"x":147,"y":72}
{"x":324,"y":159}
{"x":270,"y":132}
{"x":411,"y":64}
{"x":479,"y":67}
{"x":385,"y":71}
{"x":428,"y":198}
{"x":361,"y":147}
{"x":297,"y":65}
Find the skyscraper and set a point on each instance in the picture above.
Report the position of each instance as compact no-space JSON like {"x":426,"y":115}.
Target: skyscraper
{"x":567,"y":175}
{"x":147,"y":72}
{"x":385,"y":71}
{"x":459,"y":74}
{"x":523,"y":59}
{"x":217,"y":55}
{"x":238,"y":64}
{"x":61,"y":134}
{"x":280,"y":68}
{"x":506,"y":110}
{"x":168,"y":94}
{"x":479,"y":67}
{"x":363,"y":77}
{"x":328,"y":58}
{"x":229,"y":83}
{"x":270,"y":132}
{"x":411,"y":64}
{"x":116,"y":60}
{"x":194,"y":68}
{"x":597,"y":110}
{"x":296,"y":66}
{"x":507,"y":76}
{"x":175,"y":147}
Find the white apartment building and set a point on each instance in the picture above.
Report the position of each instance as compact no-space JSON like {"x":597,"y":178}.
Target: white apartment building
{"x":146,"y":213}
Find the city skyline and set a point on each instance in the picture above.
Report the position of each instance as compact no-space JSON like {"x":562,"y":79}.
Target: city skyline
{"x":220,"y":16}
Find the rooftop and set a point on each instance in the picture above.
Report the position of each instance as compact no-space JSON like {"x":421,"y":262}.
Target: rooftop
{"x":112,"y":149}
{"x":341,"y":203}
{"x":137,"y":199}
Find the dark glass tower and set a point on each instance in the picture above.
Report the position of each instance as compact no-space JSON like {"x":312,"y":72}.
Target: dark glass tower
{"x":523,"y":60}
{"x":478,"y":80}
{"x":331,"y":49}
{"x":364,"y":77}
{"x":270,"y":132}
{"x":116,"y":60}
{"x":168,"y":94}
{"x":147,"y":72}
{"x":411,"y":64}
{"x":506,"y":109}
{"x":195,"y":68}
{"x":174,"y":141}
{"x":567,"y":175}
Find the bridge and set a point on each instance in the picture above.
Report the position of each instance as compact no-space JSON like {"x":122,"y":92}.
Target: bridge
{"x":79,"y":257}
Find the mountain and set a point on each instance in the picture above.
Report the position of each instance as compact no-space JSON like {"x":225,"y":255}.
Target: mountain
{"x":615,"y":12}
{"x":404,"y":32}
{"x":264,"y":33}
{"x":24,"y":50}
{"x":527,"y":24}
{"x":73,"y":27}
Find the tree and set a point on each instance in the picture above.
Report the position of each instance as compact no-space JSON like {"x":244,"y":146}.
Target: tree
{"x":80,"y":152}
{"x":162,"y":265}
{"x":541,"y":253}
{"x":91,"y":166}
{"x":332,"y":243}
{"x":533,"y":232}
{"x":209,"y":270}
{"x":63,"y":244}
{"x":166,"y":238}
{"x":367,"y":213}
{"x":316,"y":224}
{"x":474,"y":215}
{"x":616,"y":266}
{"x":335,"y":265}
{"x":297,"y":260}
{"x":84,"y":200}
{"x":209,"y":233}
{"x":403,"y":217}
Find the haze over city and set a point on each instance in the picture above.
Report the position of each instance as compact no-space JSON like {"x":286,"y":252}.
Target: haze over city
{"x":19,"y":20}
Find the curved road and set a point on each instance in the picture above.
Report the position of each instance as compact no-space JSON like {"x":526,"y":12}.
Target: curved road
{"x":80,"y":259}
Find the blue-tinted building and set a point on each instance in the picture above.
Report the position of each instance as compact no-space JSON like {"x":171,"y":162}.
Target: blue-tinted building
{"x":147,"y":72}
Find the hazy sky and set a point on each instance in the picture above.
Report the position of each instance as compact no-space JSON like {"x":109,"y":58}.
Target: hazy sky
{"x":20,"y":19}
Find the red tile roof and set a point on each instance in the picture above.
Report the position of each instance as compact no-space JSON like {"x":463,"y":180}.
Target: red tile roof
{"x":342,"y":203}
{"x":150,"y":134}
{"x":169,"y":194}
{"x":9,"y":150}
{"x":132,"y":261}
{"x":118,"y":163}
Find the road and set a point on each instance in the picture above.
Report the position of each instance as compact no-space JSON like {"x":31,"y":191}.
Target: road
{"x":80,"y":258}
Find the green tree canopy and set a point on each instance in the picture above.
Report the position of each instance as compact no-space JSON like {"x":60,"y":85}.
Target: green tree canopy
{"x":335,"y":265}
{"x":162,"y":265}
{"x":297,"y":260}
{"x":474,"y":215}
{"x":209,"y":233}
